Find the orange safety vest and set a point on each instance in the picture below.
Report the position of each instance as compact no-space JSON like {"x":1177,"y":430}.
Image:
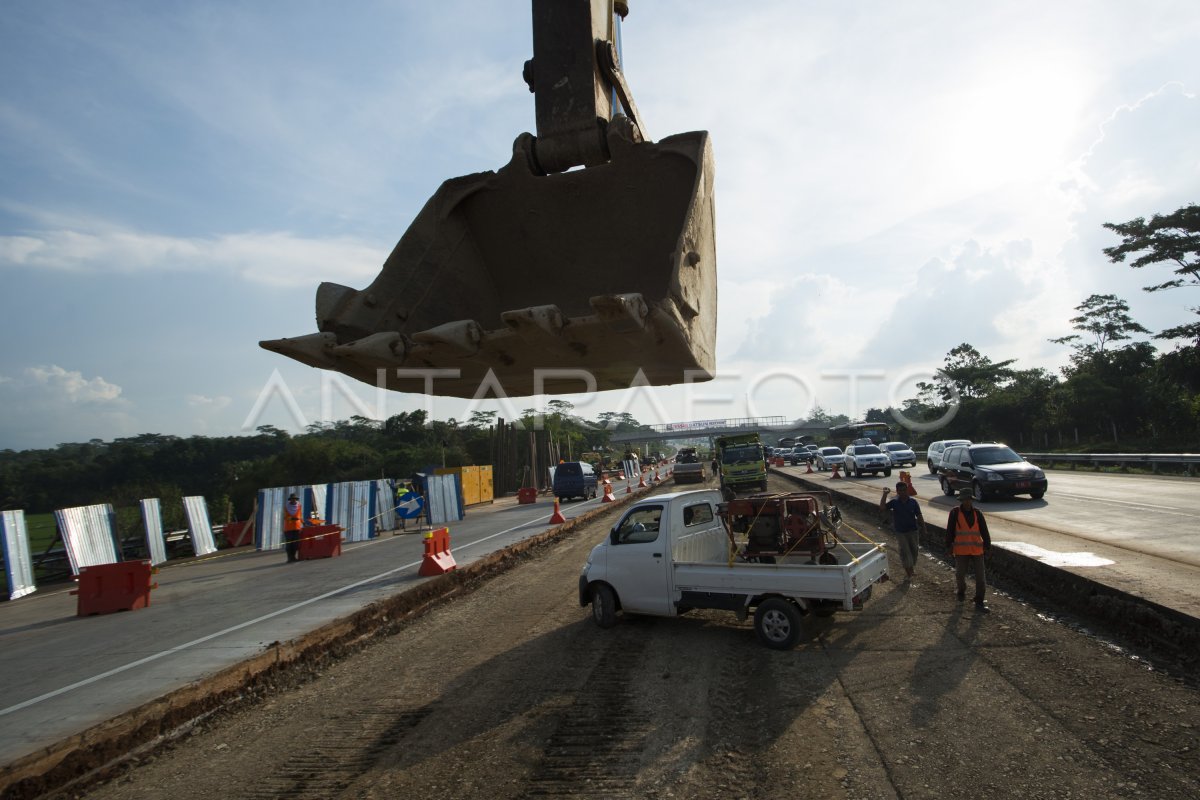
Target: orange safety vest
{"x":292,"y":517}
{"x":968,"y":541}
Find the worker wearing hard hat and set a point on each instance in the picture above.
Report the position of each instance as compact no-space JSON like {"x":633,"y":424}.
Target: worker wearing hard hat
{"x":293,"y":521}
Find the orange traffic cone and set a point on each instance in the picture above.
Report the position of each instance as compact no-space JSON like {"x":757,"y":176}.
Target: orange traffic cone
{"x":628,"y":487}
{"x":608,"y":495}
{"x":835,"y":475}
{"x":557,"y":518}
{"x":654,"y":475}
{"x":907,"y":478}
{"x":808,"y":471}
{"x":642,"y":481}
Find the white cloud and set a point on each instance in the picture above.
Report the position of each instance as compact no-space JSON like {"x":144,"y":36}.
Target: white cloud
{"x":209,"y":403}
{"x":276,"y":259}
{"x":49,"y":404}
{"x":72,"y":386}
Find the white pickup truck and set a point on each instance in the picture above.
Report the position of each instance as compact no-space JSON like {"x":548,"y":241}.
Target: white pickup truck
{"x":670,"y":553}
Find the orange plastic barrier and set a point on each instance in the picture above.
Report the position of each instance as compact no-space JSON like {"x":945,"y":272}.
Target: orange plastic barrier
{"x":526,"y":495}
{"x":105,"y":588}
{"x":437,"y":560}
{"x":320,"y":541}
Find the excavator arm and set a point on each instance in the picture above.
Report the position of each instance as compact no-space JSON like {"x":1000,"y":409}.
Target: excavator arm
{"x":541,"y":278}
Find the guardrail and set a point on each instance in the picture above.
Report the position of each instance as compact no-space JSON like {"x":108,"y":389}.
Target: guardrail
{"x":1187,"y":461}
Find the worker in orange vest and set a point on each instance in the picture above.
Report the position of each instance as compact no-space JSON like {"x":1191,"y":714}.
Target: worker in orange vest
{"x":293,"y":521}
{"x":968,"y":540}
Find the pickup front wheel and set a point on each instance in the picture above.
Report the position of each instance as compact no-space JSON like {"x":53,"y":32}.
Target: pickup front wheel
{"x":604,"y":606}
{"x":777,"y":623}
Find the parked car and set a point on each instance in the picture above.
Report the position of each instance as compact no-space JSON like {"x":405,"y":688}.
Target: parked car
{"x":574,"y":479}
{"x":899,"y":453}
{"x":933,"y":454}
{"x":860,"y":458}
{"x":990,"y":470}
{"x":828,"y":456}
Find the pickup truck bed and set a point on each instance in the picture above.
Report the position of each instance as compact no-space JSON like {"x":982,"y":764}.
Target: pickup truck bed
{"x":700,"y":566}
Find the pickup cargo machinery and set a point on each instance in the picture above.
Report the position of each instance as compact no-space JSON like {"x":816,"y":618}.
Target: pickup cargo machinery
{"x":672,"y":553}
{"x":540,"y":278}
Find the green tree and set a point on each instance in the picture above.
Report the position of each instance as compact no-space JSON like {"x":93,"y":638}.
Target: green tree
{"x":1172,"y":239}
{"x":1106,"y":318}
{"x":972,"y":374}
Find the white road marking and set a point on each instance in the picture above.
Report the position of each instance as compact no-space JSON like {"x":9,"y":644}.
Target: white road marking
{"x":218,"y":634}
{"x":1173,"y":510}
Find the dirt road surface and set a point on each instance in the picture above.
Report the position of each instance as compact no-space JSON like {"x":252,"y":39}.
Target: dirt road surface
{"x":511,"y":691}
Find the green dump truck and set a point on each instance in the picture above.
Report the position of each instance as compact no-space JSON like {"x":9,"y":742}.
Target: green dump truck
{"x":743,"y":463}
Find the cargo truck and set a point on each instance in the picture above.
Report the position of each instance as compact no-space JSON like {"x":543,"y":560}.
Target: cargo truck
{"x":743,"y":463}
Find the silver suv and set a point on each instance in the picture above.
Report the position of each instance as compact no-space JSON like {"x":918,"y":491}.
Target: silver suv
{"x":933,"y":454}
{"x":862,"y":458}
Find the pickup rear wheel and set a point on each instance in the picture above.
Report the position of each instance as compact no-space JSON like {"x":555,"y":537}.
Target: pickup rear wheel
{"x":777,"y":623}
{"x":604,"y":606}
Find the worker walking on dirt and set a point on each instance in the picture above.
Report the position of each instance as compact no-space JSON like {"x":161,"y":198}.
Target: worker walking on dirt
{"x":968,"y":540}
{"x":293,"y":521}
{"x":907,"y":523}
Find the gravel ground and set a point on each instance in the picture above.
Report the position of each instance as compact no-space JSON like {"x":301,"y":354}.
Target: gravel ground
{"x":511,"y":691}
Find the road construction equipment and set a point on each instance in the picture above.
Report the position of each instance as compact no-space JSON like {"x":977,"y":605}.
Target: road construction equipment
{"x":540,"y":278}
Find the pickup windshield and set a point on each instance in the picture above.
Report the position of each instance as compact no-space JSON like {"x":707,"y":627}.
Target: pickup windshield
{"x":733,"y":455}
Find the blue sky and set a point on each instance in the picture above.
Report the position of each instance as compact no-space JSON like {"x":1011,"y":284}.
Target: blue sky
{"x":891,"y":180}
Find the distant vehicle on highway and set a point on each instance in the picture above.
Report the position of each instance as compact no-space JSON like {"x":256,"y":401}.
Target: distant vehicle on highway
{"x":899,"y":454}
{"x":933,"y":453}
{"x":827,"y":457}
{"x":843,"y":435}
{"x":860,"y":458}
{"x":799,"y":455}
{"x":990,"y":470}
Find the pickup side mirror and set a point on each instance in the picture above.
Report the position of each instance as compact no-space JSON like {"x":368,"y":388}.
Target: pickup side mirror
{"x":612,"y":535}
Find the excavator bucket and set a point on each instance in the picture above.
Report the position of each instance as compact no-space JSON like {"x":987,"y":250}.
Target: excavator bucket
{"x":512,"y":283}
{"x":541,"y":278}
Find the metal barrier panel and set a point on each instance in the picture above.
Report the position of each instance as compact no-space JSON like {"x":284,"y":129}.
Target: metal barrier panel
{"x":268,"y":523}
{"x":152,"y":520}
{"x":444,"y":502}
{"x":352,"y":506}
{"x":18,"y":566}
{"x":198,"y":526}
{"x":89,"y":534}
{"x":385,"y":506}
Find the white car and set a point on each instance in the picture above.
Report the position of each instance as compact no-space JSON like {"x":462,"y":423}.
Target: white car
{"x":933,"y":454}
{"x":860,"y":458}
{"x":899,"y":453}
{"x":828,"y":456}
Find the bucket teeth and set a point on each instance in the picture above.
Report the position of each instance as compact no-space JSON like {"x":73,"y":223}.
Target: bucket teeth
{"x":314,"y":349}
{"x":629,"y":309}
{"x":535,"y":320}
{"x":384,"y":349}
{"x":461,"y":336}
